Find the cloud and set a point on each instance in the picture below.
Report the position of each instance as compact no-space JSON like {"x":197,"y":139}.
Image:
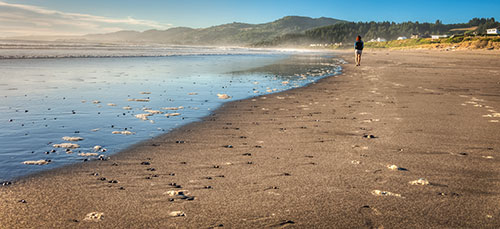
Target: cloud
{"x":26,"y":20}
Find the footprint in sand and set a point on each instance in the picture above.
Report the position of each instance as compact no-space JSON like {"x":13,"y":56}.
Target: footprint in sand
{"x":283,"y":223}
{"x":370,"y":215}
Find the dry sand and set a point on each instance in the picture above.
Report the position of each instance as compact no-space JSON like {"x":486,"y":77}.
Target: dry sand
{"x":399,"y":142}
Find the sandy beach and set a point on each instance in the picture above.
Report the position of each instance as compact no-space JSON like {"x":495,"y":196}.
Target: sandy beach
{"x":409,"y":139}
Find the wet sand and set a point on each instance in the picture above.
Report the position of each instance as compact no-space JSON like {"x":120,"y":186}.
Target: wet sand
{"x":409,"y":139}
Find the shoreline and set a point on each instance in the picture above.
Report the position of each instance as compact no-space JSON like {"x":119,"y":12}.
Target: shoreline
{"x":311,"y":64}
{"x":302,"y":157}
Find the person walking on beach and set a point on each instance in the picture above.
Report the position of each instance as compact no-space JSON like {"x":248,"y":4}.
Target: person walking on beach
{"x":358,"y":49}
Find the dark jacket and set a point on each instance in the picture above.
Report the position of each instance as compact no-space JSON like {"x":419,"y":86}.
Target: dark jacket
{"x":359,"y":45}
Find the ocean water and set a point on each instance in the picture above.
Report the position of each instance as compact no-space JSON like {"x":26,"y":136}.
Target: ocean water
{"x":43,"y":100}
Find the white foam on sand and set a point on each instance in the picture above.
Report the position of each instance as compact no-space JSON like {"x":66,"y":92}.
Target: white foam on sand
{"x":66,"y":145}
{"x":39,"y":162}
{"x":72,"y":139}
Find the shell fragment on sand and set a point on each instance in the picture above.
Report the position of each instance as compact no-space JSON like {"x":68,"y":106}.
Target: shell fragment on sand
{"x":66,"y":145}
{"x":39,"y":162}
{"x":94,"y":216}
{"x":384,"y":193}
{"x":223,"y":96}
{"x":176,"y":214}
{"x":396,"y":168}
{"x":72,"y":139}
{"x":123,"y":132}
{"x":421,"y":181}
{"x":176,"y":192}
{"x":393,"y":167}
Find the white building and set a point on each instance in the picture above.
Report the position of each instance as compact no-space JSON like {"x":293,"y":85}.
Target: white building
{"x":378,"y":40}
{"x":493,"y":31}
{"x":438,"y":36}
{"x":402,"y":38}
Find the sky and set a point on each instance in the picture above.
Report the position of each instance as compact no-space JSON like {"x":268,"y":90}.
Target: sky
{"x":78,"y":17}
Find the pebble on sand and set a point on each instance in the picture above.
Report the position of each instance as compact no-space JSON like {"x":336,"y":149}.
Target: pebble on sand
{"x":39,"y":162}
{"x":176,"y":213}
{"x":355,"y":162}
{"x":180,"y":194}
{"x":384,"y":193}
{"x":223,"y":96}
{"x":421,"y":181}
{"x":393,"y":167}
{"x":72,"y":139}
{"x":124,"y":132}
{"x":94,"y":216}
{"x":66,"y":145}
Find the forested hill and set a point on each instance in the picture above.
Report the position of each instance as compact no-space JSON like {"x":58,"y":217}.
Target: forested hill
{"x":227,"y":34}
{"x":346,"y":32}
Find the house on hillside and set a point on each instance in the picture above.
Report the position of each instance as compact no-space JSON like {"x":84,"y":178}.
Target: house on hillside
{"x":438,"y":36}
{"x":493,"y":31}
{"x":402,"y":38}
{"x":415,"y":36}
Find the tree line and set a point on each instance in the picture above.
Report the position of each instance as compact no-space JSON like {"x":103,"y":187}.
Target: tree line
{"x":346,"y":32}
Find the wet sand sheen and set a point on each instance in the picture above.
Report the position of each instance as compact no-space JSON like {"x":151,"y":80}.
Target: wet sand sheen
{"x":148,"y":90}
{"x":388,"y":144}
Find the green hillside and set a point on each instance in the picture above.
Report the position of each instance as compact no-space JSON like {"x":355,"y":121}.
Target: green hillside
{"x":227,"y":34}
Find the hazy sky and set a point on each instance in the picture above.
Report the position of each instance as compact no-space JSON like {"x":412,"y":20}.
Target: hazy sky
{"x":74,"y":17}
